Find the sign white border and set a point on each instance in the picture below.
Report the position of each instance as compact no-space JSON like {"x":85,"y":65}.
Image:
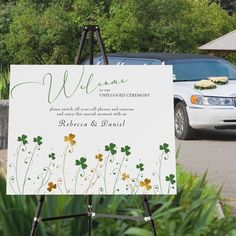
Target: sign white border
{"x":91,"y":130}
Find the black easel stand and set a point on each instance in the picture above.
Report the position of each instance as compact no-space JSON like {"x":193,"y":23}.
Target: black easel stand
{"x":91,"y":29}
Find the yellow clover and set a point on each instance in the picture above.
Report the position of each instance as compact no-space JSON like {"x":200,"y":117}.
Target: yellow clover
{"x":125,"y":176}
{"x":51,"y":186}
{"x":146,"y":184}
{"x":99,"y":157}
{"x":70,"y":139}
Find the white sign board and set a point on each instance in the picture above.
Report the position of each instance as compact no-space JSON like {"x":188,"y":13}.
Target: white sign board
{"x":91,"y":130}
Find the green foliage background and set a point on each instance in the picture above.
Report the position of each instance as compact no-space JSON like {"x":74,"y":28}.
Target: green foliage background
{"x":48,"y":32}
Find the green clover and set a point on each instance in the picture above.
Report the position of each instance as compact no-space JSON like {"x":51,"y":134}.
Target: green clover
{"x":165,"y":147}
{"x":52,"y":156}
{"x":38,"y":140}
{"x":111,"y":147}
{"x":23,"y":139}
{"x":81,"y":162}
{"x":171,"y":178}
{"x":126,"y":150}
{"x":140,"y":166}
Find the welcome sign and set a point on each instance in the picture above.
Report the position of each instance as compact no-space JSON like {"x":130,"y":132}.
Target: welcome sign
{"x":91,"y":130}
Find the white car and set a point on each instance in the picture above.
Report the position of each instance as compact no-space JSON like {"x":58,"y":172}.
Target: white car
{"x":197,"y":105}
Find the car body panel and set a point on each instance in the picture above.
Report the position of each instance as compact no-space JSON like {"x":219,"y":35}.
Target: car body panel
{"x":210,"y":117}
{"x":202,"y":116}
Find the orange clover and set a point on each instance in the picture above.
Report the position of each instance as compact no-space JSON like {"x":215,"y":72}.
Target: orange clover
{"x":125,"y":176}
{"x":146,"y":184}
{"x":70,"y":139}
{"x":51,"y":186}
{"x":99,"y":157}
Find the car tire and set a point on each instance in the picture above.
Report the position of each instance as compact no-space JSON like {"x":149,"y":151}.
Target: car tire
{"x":183,"y":130}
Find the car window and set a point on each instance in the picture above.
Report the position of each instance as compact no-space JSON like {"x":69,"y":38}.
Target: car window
{"x":141,"y":61}
{"x":156,"y":62}
{"x":96,"y":61}
{"x":130,"y":61}
{"x":197,"y":69}
{"x":113,"y":61}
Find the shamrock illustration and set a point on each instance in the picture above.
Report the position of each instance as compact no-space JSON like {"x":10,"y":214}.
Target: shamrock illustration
{"x":125,"y":176}
{"x":165,"y":148}
{"x":99,"y":157}
{"x":146,"y":184}
{"x":52,"y":156}
{"x":126,"y":150}
{"x":38,"y":140}
{"x":111,"y":147}
{"x":81,"y":162}
{"x":23,"y":139}
{"x":51,"y":186}
{"x":140,"y":166}
{"x":171,"y":178}
{"x":70,"y":139}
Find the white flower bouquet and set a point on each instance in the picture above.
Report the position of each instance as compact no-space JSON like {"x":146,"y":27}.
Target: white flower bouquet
{"x":221,"y":80}
{"x":204,"y":84}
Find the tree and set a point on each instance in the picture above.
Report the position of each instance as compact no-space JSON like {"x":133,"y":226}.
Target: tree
{"x":228,"y":5}
{"x":48,"y":32}
{"x":40,"y":37}
{"x":181,"y":25}
{"x":121,"y":27}
{"x":5,"y":22}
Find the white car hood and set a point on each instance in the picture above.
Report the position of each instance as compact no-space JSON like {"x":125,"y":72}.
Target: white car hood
{"x":227,"y":90}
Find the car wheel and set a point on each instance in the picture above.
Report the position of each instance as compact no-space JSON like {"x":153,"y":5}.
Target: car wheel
{"x":182,"y":128}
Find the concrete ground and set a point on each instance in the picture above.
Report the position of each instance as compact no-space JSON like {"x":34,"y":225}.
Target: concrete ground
{"x":215,"y":152}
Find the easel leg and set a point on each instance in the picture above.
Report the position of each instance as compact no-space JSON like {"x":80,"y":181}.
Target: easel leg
{"x":81,"y":46}
{"x":37,"y":215}
{"x":90,"y":207}
{"x":91,"y":45}
{"x":148,"y":215}
{"x":101,"y":46}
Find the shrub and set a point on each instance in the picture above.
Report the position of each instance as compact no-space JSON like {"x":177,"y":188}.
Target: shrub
{"x":4,"y":85}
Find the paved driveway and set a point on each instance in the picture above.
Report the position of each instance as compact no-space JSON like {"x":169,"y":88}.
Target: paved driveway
{"x":215,"y":152}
